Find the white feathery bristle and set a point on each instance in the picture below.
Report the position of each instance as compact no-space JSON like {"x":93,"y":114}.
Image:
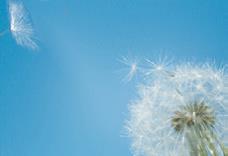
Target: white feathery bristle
{"x":132,"y":67}
{"x":166,"y":89}
{"x":21,"y":26}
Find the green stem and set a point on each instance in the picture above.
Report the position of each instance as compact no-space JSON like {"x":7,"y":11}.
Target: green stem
{"x":202,"y":142}
{"x":225,"y":151}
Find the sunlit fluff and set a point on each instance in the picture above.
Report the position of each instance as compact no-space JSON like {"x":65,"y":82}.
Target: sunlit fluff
{"x":175,"y":100}
{"x":132,"y":67}
{"x":21,"y":26}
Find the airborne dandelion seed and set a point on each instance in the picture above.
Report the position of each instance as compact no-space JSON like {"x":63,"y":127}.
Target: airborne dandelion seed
{"x":20,"y":25}
{"x":180,"y":111}
{"x":132,"y":65}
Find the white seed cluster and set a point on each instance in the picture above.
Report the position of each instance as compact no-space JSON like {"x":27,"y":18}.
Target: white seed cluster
{"x":165,"y":90}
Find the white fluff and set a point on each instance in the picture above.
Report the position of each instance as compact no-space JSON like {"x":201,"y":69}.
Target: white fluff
{"x":164,"y":90}
{"x":21,"y":26}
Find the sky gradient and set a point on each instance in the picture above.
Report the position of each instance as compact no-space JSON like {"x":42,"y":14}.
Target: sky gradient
{"x":68,"y":98}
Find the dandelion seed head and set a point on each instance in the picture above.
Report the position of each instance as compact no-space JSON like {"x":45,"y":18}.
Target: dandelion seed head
{"x":196,"y":114}
{"x":21,"y":26}
{"x":176,"y":102}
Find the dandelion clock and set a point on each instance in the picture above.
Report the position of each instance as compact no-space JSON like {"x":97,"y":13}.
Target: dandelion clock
{"x":181,"y":110}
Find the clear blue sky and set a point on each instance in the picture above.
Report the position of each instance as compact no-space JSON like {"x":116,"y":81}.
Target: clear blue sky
{"x":67,"y":98}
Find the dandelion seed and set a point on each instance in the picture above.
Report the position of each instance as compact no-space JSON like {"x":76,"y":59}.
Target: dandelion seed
{"x":132,"y":67}
{"x":20,"y":25}
{"x":158,"y":67}
{"x":181,"y":111}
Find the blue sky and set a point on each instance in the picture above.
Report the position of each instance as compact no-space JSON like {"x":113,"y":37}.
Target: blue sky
{"x":68,"y":98}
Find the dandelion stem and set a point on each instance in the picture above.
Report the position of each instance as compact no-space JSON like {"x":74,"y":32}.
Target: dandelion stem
{"x":225,"y":151}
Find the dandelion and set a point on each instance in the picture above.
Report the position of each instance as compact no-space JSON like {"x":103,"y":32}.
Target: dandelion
{"x":132,"y":67}
{"x":20,"y":25}
{"x":182,"y":110}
